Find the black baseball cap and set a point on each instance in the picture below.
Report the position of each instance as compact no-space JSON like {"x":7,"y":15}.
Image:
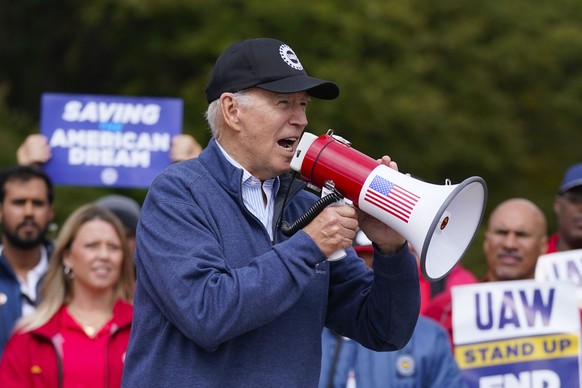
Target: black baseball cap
{"x":267,"y":64}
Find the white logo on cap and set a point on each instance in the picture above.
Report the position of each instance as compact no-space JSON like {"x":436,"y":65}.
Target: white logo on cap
{"x":289,"y":57}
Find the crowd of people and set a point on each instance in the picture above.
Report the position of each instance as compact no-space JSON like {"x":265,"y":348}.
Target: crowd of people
{"x":199,"y":283}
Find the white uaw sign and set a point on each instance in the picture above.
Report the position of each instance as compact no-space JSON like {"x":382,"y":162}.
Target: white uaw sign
{"x":564,"y":266}
{"x":521,"y":333}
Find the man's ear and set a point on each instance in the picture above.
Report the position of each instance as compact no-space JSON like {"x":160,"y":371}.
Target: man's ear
{"x":557,"y":205}
{"x":230,"y":110}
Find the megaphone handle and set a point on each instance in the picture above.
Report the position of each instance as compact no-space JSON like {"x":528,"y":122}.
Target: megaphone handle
{"x":340,"y":253}
{"x":337,"y":255}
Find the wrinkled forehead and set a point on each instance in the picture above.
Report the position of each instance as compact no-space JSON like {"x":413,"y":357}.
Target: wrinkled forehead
{"x":514,"y":219}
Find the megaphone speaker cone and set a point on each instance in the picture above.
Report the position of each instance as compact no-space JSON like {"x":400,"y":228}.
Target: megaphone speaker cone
{"x":453,"y":228}
{"x":439,"y":221}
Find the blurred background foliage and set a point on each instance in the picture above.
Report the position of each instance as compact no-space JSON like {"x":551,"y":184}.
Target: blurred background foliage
{"x":449,"y":89}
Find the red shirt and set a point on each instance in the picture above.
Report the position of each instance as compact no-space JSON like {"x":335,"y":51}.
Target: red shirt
{"x":34,"y":358}
{"x":553,"y":243}
{"x":441,"y":310}
{"x":82,"y":353}
{"x":458,"y":275}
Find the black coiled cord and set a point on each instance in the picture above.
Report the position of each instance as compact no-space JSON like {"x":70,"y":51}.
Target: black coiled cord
{"x":289,"y":230}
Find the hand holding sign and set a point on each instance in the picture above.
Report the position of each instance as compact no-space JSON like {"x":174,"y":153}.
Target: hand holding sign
{"x":34,"y":150}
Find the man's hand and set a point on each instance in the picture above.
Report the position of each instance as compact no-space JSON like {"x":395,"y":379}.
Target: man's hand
{"x":34,"y":150}
{"x":334,"y":228}
{"x":184,"y":147}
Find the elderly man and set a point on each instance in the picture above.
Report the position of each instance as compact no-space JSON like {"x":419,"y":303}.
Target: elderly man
{"x":223,"y":298}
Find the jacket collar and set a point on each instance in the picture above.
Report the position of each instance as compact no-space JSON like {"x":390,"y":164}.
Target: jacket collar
{"x":122,"y":316}
{"x":230,"y":177}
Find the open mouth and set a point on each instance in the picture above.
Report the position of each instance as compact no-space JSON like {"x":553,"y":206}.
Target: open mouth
{"x":287,"y":143}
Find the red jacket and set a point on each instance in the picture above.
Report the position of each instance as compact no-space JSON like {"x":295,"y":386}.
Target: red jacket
{"x":553,"y":243}
{"x":431,"y":290}
{"x":440,"y":309}
{"x":32,"y":359}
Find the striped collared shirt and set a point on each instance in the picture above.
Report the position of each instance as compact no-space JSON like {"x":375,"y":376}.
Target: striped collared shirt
{"x":258,"y":197}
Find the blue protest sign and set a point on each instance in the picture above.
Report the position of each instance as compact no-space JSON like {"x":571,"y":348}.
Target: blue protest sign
{"x":115,"y":141}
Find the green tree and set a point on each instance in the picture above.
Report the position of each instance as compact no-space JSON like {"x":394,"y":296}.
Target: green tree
{"x":450,"y":89}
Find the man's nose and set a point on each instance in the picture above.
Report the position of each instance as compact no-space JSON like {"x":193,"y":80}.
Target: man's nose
{"x":299,"y":116}
{"x":510,"y":240}
{"x":28,"y":208}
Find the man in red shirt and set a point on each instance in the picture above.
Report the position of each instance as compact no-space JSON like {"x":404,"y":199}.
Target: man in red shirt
{"x":568,"y":209}
{"x":516,"y":236}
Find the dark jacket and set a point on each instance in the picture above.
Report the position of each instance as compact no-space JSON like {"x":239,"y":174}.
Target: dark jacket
{"x":11,"y":298}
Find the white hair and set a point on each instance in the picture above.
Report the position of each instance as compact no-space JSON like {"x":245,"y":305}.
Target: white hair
{"x":212,"y":116}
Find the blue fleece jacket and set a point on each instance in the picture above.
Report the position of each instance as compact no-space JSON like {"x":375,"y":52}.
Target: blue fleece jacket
{"x":218,"y":304}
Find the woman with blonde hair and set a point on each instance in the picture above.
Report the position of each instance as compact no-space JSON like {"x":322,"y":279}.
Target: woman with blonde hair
{"x":78,"y":335}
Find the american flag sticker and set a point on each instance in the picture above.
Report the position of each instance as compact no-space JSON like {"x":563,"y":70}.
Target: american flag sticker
{"x":391,"y":198}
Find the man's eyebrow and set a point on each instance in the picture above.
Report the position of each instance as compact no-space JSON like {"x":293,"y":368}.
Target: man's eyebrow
{"x":287,"y":95}
{"x":519,"y":231}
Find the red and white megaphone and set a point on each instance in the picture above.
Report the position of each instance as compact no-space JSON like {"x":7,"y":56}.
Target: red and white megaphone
{"x":439,"y":221}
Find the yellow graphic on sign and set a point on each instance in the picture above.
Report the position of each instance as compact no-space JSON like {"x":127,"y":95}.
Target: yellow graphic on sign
{"x":516,"y":350}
